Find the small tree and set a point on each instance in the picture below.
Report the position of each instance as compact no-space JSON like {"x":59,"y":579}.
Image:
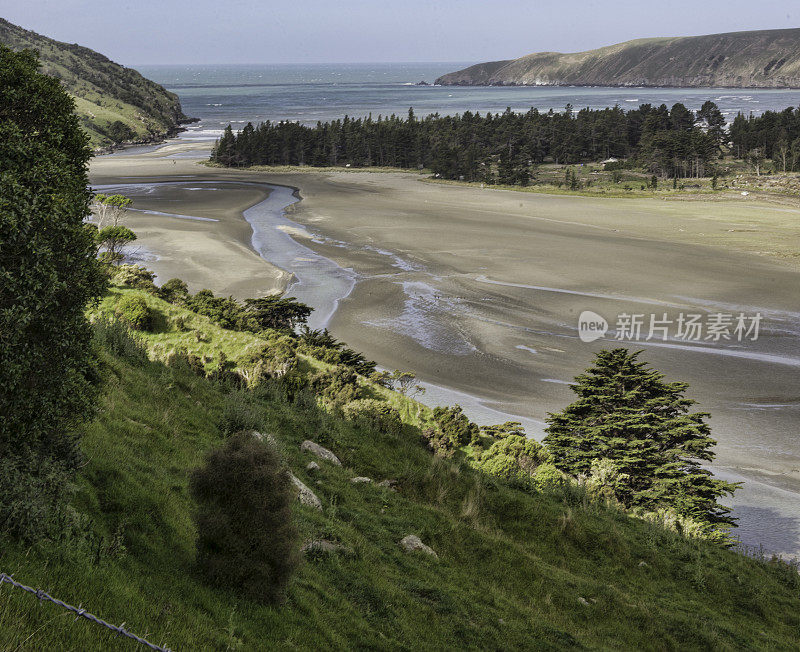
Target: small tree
{"x":280,"y":313}
{"x":454,"y":424}
{"x":113,"y":239}
{"x":627,"y":414}
{"x":245,"y":537}
{"x":110,"y":209}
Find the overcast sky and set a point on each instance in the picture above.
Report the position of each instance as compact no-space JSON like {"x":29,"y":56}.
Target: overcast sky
{"x":313,"y":31}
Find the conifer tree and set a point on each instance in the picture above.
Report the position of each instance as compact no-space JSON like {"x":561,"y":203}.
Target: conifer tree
{"x":626,"y":413}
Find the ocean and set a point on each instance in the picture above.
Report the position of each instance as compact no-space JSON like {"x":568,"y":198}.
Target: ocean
{"x":238,"y":94}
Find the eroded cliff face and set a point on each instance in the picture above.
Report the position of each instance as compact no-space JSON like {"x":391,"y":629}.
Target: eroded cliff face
{"x":762,"y":59}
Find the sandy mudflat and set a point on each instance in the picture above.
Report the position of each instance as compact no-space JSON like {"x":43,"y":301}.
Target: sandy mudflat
{"x":480,"y":290}
{"x":213,"y":252}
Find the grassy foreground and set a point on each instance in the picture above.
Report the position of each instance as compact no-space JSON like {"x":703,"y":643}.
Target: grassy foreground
{"x":515,"y":570}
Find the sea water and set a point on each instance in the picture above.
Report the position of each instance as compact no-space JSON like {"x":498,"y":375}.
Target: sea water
{"x":237,"y":94}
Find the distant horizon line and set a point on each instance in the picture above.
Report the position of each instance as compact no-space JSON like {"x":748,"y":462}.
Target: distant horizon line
{"x":303,"y":63}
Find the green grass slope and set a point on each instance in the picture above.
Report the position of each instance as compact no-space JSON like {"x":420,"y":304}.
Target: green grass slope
{"x":756,"y":59}
{"x":516,"y":570}
{"x":115,"y":104}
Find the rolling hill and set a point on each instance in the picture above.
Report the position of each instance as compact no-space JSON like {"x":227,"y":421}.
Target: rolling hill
{"x":516,"y":569}
{"x":756,"y":59}
{"x":115,"y":104}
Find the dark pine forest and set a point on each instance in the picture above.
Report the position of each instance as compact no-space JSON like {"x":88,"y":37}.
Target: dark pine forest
{"x":505,"y":148}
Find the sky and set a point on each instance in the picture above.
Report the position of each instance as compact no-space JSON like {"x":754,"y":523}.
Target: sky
{"x":143,"y":32}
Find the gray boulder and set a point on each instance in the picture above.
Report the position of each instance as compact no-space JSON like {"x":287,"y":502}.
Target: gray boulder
{"x":360,"y":480}
{"x":305,"y":495}
{"x":312,"y":466}
{"x":412,"y":543}
{"x":309,"y":446}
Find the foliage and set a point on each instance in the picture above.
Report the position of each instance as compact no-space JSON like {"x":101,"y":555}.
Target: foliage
{"x":174,"y":291}
{"x":499,"y":148}
{"x":377,"y":415}
{"x":278,"y":313}
{"x":48,"y":275}
{"x":246,"y":539}
{"x":498,"y":546}
{"x":323,"y":346}
{"x":503,"y":430}
{"x":134,"y":276}
{"x":455,"y":426}
{"x":514,"y":458}
{"x":116,"y":336}
{"x":338,"y":384}
{"x":134,"y":311}
{"x":626,"y":413}
{"x":224,"y":311}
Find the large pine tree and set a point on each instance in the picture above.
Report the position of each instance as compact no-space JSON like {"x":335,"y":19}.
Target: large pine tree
{"x":625,"y":412}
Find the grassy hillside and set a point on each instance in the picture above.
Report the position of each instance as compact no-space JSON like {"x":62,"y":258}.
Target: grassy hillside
{"x":516,"y":569}
{"x":115,"y":104}
{"x":757,"y":59}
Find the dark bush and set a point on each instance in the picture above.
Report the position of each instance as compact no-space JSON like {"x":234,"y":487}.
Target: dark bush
{"x":245,"y":537}
{"x":133,"y":310}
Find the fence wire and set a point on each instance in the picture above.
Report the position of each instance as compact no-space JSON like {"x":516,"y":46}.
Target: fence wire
{"x":81,"y":613}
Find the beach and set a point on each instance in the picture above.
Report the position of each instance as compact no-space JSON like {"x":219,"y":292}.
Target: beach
{"x":478,"y":291}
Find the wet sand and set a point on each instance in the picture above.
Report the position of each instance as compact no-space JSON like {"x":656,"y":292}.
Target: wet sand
{"x":479,"y":291}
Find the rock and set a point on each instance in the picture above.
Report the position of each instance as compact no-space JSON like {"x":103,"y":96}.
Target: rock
{"x":317,"y":547}
{"x":412,"y":543}
{"x":388,"y":484}
{"x":643,"y":563}
{"x":309,"y":446}
{"x":305,"y":495}
{"x":266,"y":437}
{"x":360,"y":480}
{"x":583,"y":601}
{"x":312,"y":466}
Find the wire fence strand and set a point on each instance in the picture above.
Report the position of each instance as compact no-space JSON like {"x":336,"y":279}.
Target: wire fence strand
{"x":80,"y":612}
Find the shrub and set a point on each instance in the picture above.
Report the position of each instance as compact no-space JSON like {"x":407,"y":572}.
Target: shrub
{"x":378,"y":415}
{"x":113,"y":239}
{"x":338,"y":385}
{"x":245,"y":537}
{"x":438,"y":443}
{"x":174,"y":291}
{"x":134,"y":276}
{"x":133,"y":310}
{"x":453,"y":423}
{"x":115,"y":336}
{"x":240,"y":414}
{"x":181,"y":359}
{"x":514,"y":458}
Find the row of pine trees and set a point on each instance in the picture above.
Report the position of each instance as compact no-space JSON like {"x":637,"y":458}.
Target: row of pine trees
{"x":493,"y":148}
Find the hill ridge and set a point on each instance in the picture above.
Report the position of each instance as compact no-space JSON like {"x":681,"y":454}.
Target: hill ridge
{"x":115,"y":104}
{"x":752,"y":59}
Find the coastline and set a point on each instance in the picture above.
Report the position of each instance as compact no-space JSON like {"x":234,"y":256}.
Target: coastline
{"x":420,"y":251}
